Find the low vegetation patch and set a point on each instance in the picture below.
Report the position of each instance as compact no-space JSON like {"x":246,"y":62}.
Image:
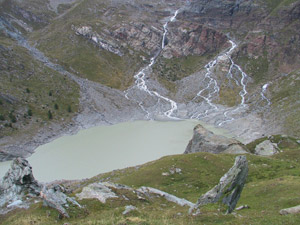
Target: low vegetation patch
{"x":273,"y":184}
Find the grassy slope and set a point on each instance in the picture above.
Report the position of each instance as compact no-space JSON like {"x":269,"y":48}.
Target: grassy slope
{"x":32,"y":86}
{"x":285,"y":98}
{"x":58,"y":41}
{"x":273,"y":184}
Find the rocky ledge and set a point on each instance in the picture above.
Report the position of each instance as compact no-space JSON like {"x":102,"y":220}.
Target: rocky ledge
{"x":87,"y":32}
{"x":206,"y":141}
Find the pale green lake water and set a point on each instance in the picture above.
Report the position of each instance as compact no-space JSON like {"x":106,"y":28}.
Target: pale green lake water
{"x":106,"y":148}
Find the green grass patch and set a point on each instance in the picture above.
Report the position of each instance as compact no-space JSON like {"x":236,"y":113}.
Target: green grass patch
{"x":273,"y":184}
{"x":25,"y":87}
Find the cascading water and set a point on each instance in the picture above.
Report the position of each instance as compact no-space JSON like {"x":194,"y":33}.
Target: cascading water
{"x":262,"y":93}
{"x":207,"y":93}
{"x":140,"y":77}
{"x":212,"y":88}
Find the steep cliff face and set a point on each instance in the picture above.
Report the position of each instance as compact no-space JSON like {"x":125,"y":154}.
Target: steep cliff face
{"x":266,"y":29}
{"x":268,"y":36}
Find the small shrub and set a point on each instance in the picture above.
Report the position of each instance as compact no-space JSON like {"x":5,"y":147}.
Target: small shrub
{"x":27,"y":90}
{"x":1,"y":103}
{"x":50,"y":93}
{"x":69,"y":109}
{"x":12,"y":117}
{"x":8,"y":125}
{"x":50,"y":116}
{"x":2,"y":117}
{"x":55,"y":106}
{"x":29,"y":112}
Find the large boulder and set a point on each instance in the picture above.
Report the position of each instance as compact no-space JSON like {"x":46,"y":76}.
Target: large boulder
{"x":17,"y":183}
{"x":98,"y":191}
{"x":55,"y":198}
{"x":293,"y":210}
{"x":19,"y":187}
{"x":266,"y":148}
{"x":229,"y":188}
{"x":206,"y":141}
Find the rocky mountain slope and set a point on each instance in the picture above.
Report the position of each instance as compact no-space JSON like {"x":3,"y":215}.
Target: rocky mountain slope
{"x":78,"y":63}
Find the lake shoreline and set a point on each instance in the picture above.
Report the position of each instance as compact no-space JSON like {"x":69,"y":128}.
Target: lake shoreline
{"x":162,"y":132}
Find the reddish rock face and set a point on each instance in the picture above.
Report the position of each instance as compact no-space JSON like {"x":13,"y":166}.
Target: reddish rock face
{"x":263,"y":31}
{"x":139,"y":36}
{"x":182,"y":39}
{"x":193,"y":39}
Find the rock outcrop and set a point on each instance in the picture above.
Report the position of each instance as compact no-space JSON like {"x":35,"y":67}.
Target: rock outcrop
{"x":193,"y":39}
{"x":87,"y":32}
{"x":229,"y":188}
{"x":19,"y":187}
{"x":139,"y":36}
{"x":293,"y":210}
{"x":167,"y":196}
{"x":55,"y":198}
{"x":206,"y":141}
{"x":105,"y":190}
{"x":266,"y":148}
{"x":128,"y":209}
{"x":18,"y":183}
{"x":98,"y":191}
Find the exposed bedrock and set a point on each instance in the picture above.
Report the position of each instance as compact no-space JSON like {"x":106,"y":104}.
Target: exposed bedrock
{"x":206,"y":141}
{"x":229,"y":188}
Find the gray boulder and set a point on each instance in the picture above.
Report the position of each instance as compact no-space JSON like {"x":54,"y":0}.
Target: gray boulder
{"x":171,"y":198}
{"x":206,"y":141}
{"x":99,"y":191}
{"x":18,"y":183}
{"x":266,"y":148}
{"x":128,"y":209}
{"x":293,"y":210}
{"x":229,"y":188}
{"x":55,"y":198}
{"x":18,"y":187}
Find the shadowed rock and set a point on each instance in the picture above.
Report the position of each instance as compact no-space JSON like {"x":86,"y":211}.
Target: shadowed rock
{"x":229,"y":188}
{"x":56,"y":199}
{"x":206,"y":141}
{"x":17,"y":183}
{"x":18,"y":187}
